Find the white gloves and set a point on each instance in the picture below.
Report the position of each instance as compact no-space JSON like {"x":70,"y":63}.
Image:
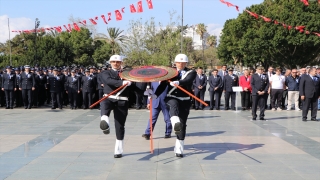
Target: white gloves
{"x":125,"y":82}
{"x":173,"y":83}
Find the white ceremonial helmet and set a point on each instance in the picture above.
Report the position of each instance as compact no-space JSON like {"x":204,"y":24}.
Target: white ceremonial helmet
{"x":181,"y":58}
{"x":115,"y":58}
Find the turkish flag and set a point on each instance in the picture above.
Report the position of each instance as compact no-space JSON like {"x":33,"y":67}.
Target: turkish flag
{"x":132,"y":8}
{"x":253,"y":14}
{"x":289,"y":27}
{"x":305,"y":2}
{"x":150,"y":5}
{"x":122,"y":9}
{"x":284,"y":25}
{"x":140,"y":7}
{"x":318,"y":34}
{"x":93,"y":22}
{"x":307,"y":32}
{"x":237,"y":8}
{"x":299,"y":28}
{"x":84,"y":22}
{"x":76,"y":27}
{"x":48,"y":29}
{"x":104,"y":19}
{"x":69,"y":25}
{"x":109,"y":16}
{"x":68,"y":30}
{"x":118,"y":15}
{"x":265,"y":19}
{"x":59,"y":29}
{"x":276,"y":22}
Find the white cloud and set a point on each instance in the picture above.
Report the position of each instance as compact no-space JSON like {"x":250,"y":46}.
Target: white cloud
{"x":21,"y":23}
{"x":215,"y":29}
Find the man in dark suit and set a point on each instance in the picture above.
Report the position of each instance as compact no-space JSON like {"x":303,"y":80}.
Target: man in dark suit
{"x":18,"y":93}
{"x":309,"y":90}
{"x":215,"y":82}
{"x":100,"y":84}
{"x":8,"y":86}
{"x":229,"y":81}
{"x":27,"y":85}
{"x":222,"y":73}
{"x":55,"y":87}
{"x":72,"y":87}
{"x":41,"y":87}
{"x":260,"y":86}
{"x":141,"y":101}
{"x":199,"y":87}
{"x":158,"y":105}
{"x":88,"y":87}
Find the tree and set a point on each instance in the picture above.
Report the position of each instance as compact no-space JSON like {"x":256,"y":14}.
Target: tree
{"x":212,"y":41}
{"x":249,"y":41}
{"x":115,"y":38}
{"x":201,"y":30}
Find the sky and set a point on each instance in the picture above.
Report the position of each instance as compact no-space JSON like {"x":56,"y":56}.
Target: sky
{"x":22,"y":13}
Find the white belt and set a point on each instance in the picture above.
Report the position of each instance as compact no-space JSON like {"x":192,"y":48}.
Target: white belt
{"x":180,"y":98}
{"x":116,"y":97}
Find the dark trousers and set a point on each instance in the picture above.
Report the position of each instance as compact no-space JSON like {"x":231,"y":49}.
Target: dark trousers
{"x":307,"y":102}
{"x":2,"y":98}
{"x":48,"y":96}
{"x":35,"y":95}
{"x":18,"y":97}
{"x":258,"y":100}
{"x":245,"y":99}
{"x":120,"y":112}
{"x":140,"y":99}
{"x":9,"y":97}
{"x":56,"y":99}
{"x":87,"y":99}
{"x":284,"y":97}
{"x":214,"y":99}
{"x":27,"y":97}
{"x":276,"y":94}
{"x":73,"y":96}
{"x":41,"y":95}
{"x":181,"y":109}
{"x":199,"y":94}
{"x":155,"y":114}
{"x":227,"y":99}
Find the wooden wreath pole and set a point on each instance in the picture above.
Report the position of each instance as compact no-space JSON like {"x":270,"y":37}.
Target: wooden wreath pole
{"x":193,"y":96}
{"x":119,"y":88}
{"x":151,"y":133}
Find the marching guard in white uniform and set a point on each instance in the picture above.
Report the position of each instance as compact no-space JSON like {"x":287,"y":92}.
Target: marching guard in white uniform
{"x":178,"y":102}
{"x":117,"y":102}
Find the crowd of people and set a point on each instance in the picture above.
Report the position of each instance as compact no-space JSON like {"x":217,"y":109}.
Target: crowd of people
{"x":58,"y":87}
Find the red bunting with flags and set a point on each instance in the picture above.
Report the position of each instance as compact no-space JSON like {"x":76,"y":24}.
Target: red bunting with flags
{"x":140,"y":9}
{"x":305,"y":2}
{"x":109,"y":16}
{"x":68,"y":30}
{"x":132,"y":8}
{"x":76,"y":27}
{"x":122,"y":9}
{"x":104,"y":19}
{"x":84,"y":22}
{"x":150,"y":5}
{"x":118,"y":15}
{"x":93,"y":21}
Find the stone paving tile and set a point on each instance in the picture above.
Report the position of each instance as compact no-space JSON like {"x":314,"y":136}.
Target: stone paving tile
{"x":218,"y":145}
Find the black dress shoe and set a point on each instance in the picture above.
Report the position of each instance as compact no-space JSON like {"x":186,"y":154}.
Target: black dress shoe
{"x":167,"y":136}
{"x":313,"y":119}
{"x":179,"y":155}
{"x":196,"y":108}
{"x":25,"y":107}
{"x":254,"y":119}
{"x":29,"y":107}
{"x":11,"y":107}
{"x":243,"y":109}
{"x":262,"y":119}
{"x":305,"y":120}
{"x":137,"y":108}
{"x":7,"y":107}
{"x":104,"y":126}
{"x":118,"y":156}
{"x":211,"y":108}
{"x":177,"y":128}
{"x":53,"y":108}
{"x":146,"y":136}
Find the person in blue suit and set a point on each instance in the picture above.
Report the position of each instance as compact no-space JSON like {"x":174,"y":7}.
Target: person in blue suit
{"x":199,"y":87}
{"x":158,"y":105}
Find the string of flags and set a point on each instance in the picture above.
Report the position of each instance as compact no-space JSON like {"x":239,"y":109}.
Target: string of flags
{"x":301,"y":29}
{"x":94,"y":21}
{"x":306,"y":2}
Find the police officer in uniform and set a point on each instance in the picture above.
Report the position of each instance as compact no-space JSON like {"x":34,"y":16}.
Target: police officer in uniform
{"x":27,"y":85}
{"x":73,"y":89}
{"x":100,"y":84}
{"x":55,"y":87}
{"x":178,"y":102}
{"x":117,"y":102}
{"x":18,"y":93}
{"x":1,"y":92}
{"x":230,"y":81}
{"x":8,"y":86}
{"x":88,"y":86}
{"x":260,"y":85}
{"x":41,"y":87}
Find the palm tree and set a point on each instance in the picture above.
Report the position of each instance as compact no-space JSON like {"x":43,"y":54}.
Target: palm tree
{"x":201,"y":30}
{"x":212,"y":41}
{"x":114,"y":38}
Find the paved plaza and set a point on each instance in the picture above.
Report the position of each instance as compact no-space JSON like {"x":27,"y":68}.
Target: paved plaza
{"x":67,"y":144}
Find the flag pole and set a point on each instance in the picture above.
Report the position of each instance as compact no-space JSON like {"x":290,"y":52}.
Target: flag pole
{"x":182,"y":29}
{"x":9,"y":42}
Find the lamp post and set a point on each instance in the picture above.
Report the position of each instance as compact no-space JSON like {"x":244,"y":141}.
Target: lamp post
{"x":36,"y":25}
{"x":181,"y":29}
